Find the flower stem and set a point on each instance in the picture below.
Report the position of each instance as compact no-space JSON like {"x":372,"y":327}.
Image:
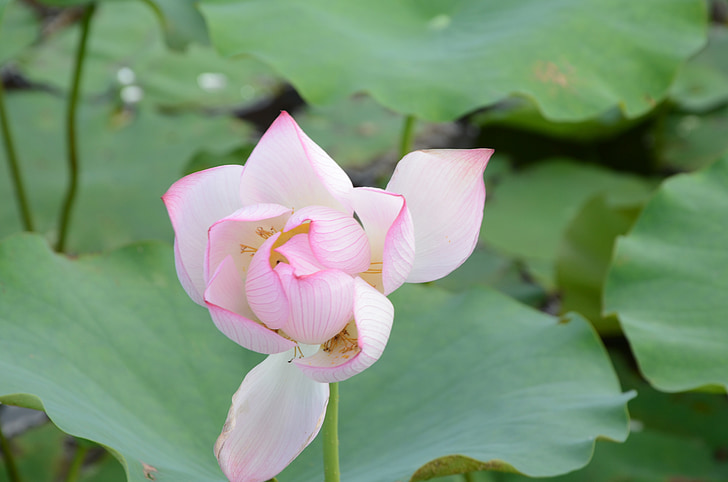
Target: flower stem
{"x":71,"y":140}
{"x":10,"y":467}
{"x":332,"y":473}
{"x":11,"y":156}
{"x":408,"y":130}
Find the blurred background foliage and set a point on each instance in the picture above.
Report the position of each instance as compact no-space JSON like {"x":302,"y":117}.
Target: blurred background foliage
{"x":587,"y":125}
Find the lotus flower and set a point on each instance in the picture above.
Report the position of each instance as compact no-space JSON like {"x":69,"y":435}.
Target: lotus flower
{"x":293,"y":261}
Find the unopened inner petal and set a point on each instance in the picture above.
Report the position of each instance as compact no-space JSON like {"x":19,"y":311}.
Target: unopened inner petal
{"x":297,"y":253}
{"x":337,"y":240}
{"x":320,"y":304}
{"x":264,"y":289}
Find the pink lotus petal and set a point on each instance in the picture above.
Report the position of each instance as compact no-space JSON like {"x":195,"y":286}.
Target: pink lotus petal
{"x":297,"y":251}
{"x":445,"y":194}
{"x":275,"y":414}
{"x":336,"y":239}
{"x":225,"y":298}
{"x":320,"y":304}
{"x":194,"y":203}
{"x":264,"y":290}
{"x":388,"y":225}
{"x":288,"y":168}
{"x":341,"y":359}
{"x":240,"y":234}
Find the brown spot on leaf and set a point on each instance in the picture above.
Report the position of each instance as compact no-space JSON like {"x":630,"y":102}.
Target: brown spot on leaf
{"x":550,"y":73}
{"x":149,"y":471}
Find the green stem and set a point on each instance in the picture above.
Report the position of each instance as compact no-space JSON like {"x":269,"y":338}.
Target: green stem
{"x":408,"y":131}
{"x":469,"y":477}
{"x":10,"y":467}
{"x":71,"y":141}
{"x":12,"y":158}
{"x":332,"y":473}
{"x":75,"y":469}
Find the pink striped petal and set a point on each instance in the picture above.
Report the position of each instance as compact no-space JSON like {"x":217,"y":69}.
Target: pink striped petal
{"x":275,"y":414}
{"x":320,"y":304}
{"x":241,"y":234}
{"x":297,"y":251}
{"x":288,"y":168}
{"x":342,"y":358}
{"x":194,"y":203}
{"x":336,"y":239}
{"x":388,"y":225}
{"x":225,"y":298}
{"x":264,"y":290}
{"x":445,"y":194}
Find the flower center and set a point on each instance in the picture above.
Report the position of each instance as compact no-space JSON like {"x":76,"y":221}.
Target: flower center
{"x":276,"y":257}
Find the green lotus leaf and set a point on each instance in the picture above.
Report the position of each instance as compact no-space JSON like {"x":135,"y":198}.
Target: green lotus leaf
{"x":528,"y":211}
{"x":668,"y":282}
{"x":439,"y":60}
{"x":584,"y":256}
{"x":118,"y":354}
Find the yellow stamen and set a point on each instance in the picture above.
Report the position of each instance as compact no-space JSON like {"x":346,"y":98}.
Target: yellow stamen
{"x":265,"y":233}
{"x":244,"y":248}
{"x":297,"y":353}
{"x":343,"y":342}
{"x":285,"y":236}
{"x":375,"y":270}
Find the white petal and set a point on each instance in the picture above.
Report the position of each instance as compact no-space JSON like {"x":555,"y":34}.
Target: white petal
{"x":288,"y":168}
{"x":226,"y":300}
{"x":339,"y":360}
{"x":240,"y":234}
{"x":275,"y":414}
{"x":184,"y":277}
{"x":445,"y":194}
{"x":388,"y":225}
{"x":194,"y":203}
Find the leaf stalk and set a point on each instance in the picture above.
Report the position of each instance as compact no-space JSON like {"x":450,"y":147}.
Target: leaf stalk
{"x":12,"y":158}
{"x":71,"y":137}
{"x":408,"y":130}
{"x":10,"y":466}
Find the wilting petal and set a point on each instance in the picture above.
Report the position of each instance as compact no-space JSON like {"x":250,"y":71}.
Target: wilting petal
{"x":225,"y":298}
{"x":264,"y":290}
{"x":336,"y":239}
{"x":194,"y":203}
{"x":240,"y":234}
{"x":341,"y":359}
{"x":388,"y":225}
{"x":320,"y":304}
{"x":288,"y":168}
{"x":445,"y":194}
{"x":276,"y":413}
